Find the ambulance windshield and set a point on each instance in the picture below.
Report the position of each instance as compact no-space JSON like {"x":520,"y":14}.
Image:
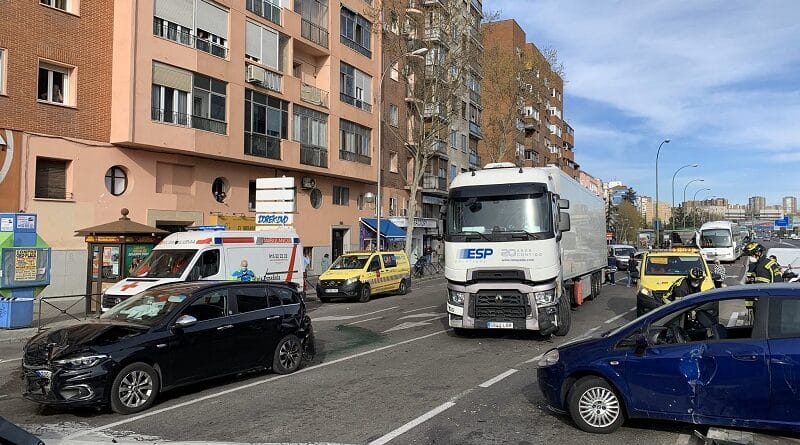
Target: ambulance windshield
{"x":165,"y":264}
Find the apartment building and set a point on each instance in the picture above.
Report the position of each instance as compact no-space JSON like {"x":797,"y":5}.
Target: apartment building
{"x":756,"y":203}
{"x":172,"y":109}
{"x":595,"y":185}
{"x":542,"y":135}
{"x":789,"y":205}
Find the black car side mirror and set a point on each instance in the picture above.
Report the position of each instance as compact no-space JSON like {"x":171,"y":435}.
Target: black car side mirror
{"x":185,"y":321}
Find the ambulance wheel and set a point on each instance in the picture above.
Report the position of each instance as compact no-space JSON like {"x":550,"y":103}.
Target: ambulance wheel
{"x":365,"y":293}
{"x":403,"y":288}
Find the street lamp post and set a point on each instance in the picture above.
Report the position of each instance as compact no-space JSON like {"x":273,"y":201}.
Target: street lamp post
{"x":683,"y":204}
{"x":655,"y":223}
{"x":378,"y":202}
{"x":673,"y":185}
{"x":694,"y":199}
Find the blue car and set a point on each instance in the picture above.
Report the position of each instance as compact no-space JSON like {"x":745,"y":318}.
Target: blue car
{"x":726,"y":357}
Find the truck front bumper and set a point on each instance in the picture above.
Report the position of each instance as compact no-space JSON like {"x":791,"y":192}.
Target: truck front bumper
{"x":499,"y":305}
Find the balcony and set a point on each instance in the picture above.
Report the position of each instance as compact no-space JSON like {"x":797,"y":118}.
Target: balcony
{"x":474,"y":160}
{"x":213,"y":125}
{"x":434,"y":183}
{"x":477,"y":5}
{"x":264,"y":78}
{"x":265,"y":9}
{"x":356,"y":102}
{"x":262,"y":146}
{"x":314,"y":33}
{"x":530,"y":122}
{"x":187,"y":120}
{"x":440,"y":3}
{"x":435,"y":110}
{"x":439,"y":147}
{"x":366,"y":52}
{"x":311,"y":155}
{"x":475,"y":130}
{"x":435,"y":33}
{"x":475,"y":97}
{"x":354,"y":157}
{"x":184,"y":37}
{"x":413,"y":7}
{"x":475,"y":34}
{"x":314,"y":95}
{"x":412,"y":94}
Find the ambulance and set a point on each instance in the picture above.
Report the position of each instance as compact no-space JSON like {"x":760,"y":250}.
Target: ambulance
{"x":260,"y":255}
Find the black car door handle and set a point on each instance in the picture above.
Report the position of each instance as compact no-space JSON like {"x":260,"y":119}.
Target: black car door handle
{"x":745,"y":356}
{"x":227,"y":326}
{"x":274,"y":317}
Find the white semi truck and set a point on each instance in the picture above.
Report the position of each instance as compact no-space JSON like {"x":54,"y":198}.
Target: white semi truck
{"x":522,"y":245}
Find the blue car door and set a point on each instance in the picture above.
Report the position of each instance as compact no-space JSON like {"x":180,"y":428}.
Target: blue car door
{"x":784,"y":363}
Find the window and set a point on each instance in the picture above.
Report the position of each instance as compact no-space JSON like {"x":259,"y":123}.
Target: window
{"x":249,"y":299}
{"x":354,"y":140}
{"x":261,"y":45}
{"x":315,"y":197}
{"x":360,"y":201}
{"x":716,"y":320}
{"x":251,"y":195}
{"x":286,"y":296}
{"x":356,"y":32}
{"x":464,"y":143}
{"x":463,"y":110}
{"x":389,"y":260}
{"x":453,"y":172}
{"x":374,"y":264}
{"x":170,"y":94}
{"x":220,"y":188}
{"x":2,"y":71}
{"x":266,"y":123}
{"x":206,"y":266}
{"x":355,"y":87}
{"x":269,"y":9}
{"x":393,"y":111}
{"x":57,"y":4}
{"x":394,"y":71}
{"x":208,"y":104}
{"x":784,"y":318}
{"x":51,"y":178}
{"x":310,"y":129}
{"x":341,"y":195}
{"x":392,"y":206}
{"x":210,"y":306}
{"x":453,"y":138}
{"x":196,"y":23}
{"x":116,"y":180}
{"x":394,"y":25}
{"x":211,"y":24}
{"x":393,"y":162}
{"x":54,"y":83}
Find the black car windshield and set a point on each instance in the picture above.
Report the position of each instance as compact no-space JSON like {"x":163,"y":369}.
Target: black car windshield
{"x":165,"y":263}
{"x":350,"y":262}
{"x":624,"y":251}
{"x":672,"y":265}
{"x":149,"y":307}
{"x":528,"y":214}
{"x":715,"y":238}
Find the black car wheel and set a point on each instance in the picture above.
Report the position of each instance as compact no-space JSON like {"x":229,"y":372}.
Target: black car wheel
{"x":365,"y":293}
{"x":324,"y":299}
{"x":594,"y":406}
{"x":288,"y":355}
{"x":134,"y":389}
{"x":403,"y":288}
{"x":564,"y":320}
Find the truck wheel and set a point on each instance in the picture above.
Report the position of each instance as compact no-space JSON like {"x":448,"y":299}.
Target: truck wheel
{"x":365,"y":293}
{"x":564,"y":320}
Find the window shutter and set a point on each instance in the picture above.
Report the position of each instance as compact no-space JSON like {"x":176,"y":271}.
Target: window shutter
{"x":176,"y":11}
{"x":253,"y":40}
{"x":172,"y":77}
{"x":212,"y":18}
{"x":269,"y":48}
{"x":51,"y":178}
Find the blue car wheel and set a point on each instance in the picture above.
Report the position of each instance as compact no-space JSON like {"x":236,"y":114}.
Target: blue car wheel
{"x":595,"y":406}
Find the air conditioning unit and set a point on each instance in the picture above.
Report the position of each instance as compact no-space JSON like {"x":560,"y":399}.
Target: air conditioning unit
{"x":308,"y":182}
{"x":255,"y":74}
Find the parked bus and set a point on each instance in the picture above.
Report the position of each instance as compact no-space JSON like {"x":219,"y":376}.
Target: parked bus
{"x":721,"y":240}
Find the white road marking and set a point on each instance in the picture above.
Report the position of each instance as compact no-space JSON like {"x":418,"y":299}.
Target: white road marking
{"x":422,"y":315}
{"x":421,"y":309}
{"x":496,"y":379}
{"x":350,"y":317}
{"x":245,"y":386}
{"x":419,"y":420}
{"x":6,"y":360}
{"x":3,"y":396}
{"x":414,"y":324}
{"x":364,"y":321}
{"x":615,"y":318}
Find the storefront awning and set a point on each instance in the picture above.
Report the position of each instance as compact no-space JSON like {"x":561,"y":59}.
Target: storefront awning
{"x":388,"y":229}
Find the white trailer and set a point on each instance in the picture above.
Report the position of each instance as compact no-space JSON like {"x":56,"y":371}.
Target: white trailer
{"x":521,"y":246}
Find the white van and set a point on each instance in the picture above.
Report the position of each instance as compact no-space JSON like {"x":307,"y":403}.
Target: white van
{"x":265,"y":255}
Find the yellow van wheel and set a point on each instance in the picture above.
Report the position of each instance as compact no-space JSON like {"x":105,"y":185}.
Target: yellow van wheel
{"x":365,"y":293}
{"x":402,"y":289}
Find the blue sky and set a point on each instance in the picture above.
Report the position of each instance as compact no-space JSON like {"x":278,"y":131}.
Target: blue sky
{"x":721,"y":79}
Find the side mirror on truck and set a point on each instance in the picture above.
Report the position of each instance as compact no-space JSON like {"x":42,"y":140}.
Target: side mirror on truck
{"x":563,"y":221}
{"x":563,"y":204}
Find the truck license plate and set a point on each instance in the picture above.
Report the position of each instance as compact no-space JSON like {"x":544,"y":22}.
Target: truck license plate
{"x":331,"y":291}
{"x":499,"y":325}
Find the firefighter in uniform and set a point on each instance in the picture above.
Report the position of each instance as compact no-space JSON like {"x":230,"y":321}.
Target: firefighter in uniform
{"x":761,"y":269}
{"x":685,"y":286}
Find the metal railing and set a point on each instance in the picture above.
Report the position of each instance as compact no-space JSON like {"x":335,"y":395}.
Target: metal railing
{"x":355,"y":157}
{"x":77,"y":307}
{"x":213,"y":125}
{"x":314,"y":95}
{"x":475,"y":129}
{"x":434,"y":32}
{"x":310,"y":155}
{"x":265,"y":9}
{"x":262,"y":145}
{"x":211,"y":47}
{"x":474,"y":160}
{"x":431,"y":182}
{"x":356,"y":102}
{"x":314,"y":32}
{"x":355,"y":46}
{"x":171,"y":117}
{"x":185,"y":37}
{"x":475,"y":97}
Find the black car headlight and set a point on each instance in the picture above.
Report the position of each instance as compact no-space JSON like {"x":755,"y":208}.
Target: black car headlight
{"x":81,"y":361}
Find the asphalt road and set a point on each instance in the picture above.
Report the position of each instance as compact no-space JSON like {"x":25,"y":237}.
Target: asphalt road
{"x":388,"y":371}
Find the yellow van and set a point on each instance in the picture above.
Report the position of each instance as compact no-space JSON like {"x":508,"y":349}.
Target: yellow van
{"x":359,"y":275}
{"x":659,"y":269}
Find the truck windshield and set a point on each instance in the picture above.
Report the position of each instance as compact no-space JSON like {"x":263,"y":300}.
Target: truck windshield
{"x":165,"y":263}
{"x":494,"y":218}
{"x":350,"y":262}
{"x":715,"y":238}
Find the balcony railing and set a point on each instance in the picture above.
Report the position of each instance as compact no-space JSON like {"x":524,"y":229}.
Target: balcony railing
{"x":314,"y":95}
{"x":310,"y":155}
{"x":204,"y":123}
{"x":262,"y":145}
{"x":430,"y":182}
{"x":265,"y":9}
{"x":358,"y":103}
{"x":314,"y":32}
{"x":356,"y":47}
{"x":474,"y":160}
{"x":184,"y":37}
{"x":439,"y":146}
{"x":354,"y":157}
{"x":442,"y":3}
{"x":414,"y":7}
{"x":475,"y":97}
{"x":434,"y":110}
{"x":434,"y":32}
{"x":477,"y":5}
{"x":475,"y":129}
{"x":187,"y":120}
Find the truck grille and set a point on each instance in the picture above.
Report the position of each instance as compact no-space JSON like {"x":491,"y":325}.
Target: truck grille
{"x":501,"y":305}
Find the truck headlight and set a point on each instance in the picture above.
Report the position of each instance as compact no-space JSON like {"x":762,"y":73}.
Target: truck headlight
{"x":351,"y":281}
{"x":456,"y":297}
{"x":544,"y":297}
{"x":81,"y":361}
{"x":550,"y":358}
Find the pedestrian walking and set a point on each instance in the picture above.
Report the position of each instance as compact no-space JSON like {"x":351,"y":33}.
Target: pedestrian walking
{"x":633,"y":272}
{"x":612,"y":269}
{"x":719,"y":273}
{"x":325,"y":263}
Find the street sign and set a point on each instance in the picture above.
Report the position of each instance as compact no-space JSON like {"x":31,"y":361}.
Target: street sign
{"x":783,"y":222}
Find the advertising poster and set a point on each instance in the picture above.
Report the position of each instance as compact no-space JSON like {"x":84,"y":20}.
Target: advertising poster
{"x":6,"y":224}
{"x":110,"y":262}
{"x":134,"y":255}
{"x":25,"y":264}
{"x":26,"y":221}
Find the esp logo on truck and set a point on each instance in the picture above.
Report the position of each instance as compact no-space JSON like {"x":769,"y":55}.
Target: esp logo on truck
{"x":475,"y":254}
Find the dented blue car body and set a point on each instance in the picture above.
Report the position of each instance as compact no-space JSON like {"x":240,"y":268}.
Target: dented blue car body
{"x":740,"y":369}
